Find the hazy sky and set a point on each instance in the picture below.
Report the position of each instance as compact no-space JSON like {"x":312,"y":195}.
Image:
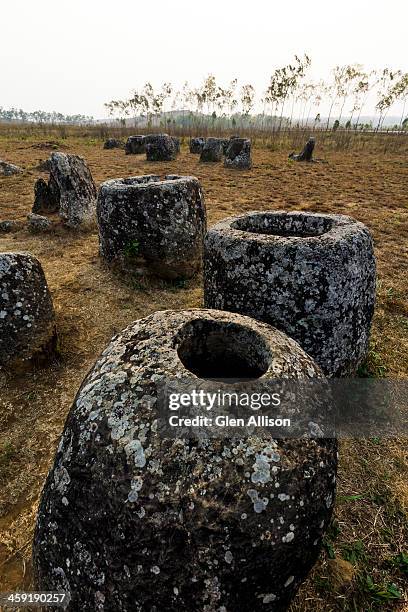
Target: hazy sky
{"x":74,"y":55}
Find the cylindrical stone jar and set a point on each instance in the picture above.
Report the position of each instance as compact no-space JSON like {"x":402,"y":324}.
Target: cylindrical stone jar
{"x":196,"y":145}
{"x":212,"y":150}
{"x":27,"y":322}
{"x":160,"y":147}
{"x":152,"y":226}
{"x":135,"y":145}
{"x":131,"y":520}
{"x":310,"y":275}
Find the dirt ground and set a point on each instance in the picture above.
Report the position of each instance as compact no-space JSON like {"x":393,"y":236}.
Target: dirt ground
{"x":370,"y":525}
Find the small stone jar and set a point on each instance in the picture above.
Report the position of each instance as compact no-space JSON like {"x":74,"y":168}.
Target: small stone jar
{"x":310,"y":275}
{"x":152,"y":226}
{"x":113,"y":143}
{"x":131,"y":520}
{"x":27,"y":322}
{"x":135,"y":145}
{"x":196,"y":145}
{"x":212,"y":150}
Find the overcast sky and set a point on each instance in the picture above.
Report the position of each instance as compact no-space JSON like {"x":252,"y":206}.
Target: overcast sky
{"x":73,"y":55}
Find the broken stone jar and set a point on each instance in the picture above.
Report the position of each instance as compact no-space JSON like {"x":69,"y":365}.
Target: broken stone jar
{"x":70,"y":190}
{"x":238,"y":154}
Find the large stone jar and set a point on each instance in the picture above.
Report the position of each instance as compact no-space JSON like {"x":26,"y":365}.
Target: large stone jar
{"x":310,"y":275}
{"x":161,"y":147}
{"x":148,"y":225}
{"x":131,"y":520}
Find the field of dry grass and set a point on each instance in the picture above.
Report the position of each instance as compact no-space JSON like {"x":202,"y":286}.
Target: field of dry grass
{"x":370,"y":525}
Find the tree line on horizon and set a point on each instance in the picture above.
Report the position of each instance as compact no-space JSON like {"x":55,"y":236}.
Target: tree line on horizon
{"x":39,"y":116}
{"x":289,"y":89}
{"x":290,"y":100}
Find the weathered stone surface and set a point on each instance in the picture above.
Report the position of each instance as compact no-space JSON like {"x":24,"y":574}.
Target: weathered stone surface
{"x":70,"y":190}
{"x":212,"y":150}
{"x":135,"y":145}
{"x":148,"y":225}
{"x":46,"y":196}
{"x":27,"y":327}
{"x":77,"y":189}
{"x":160,"y":147}
{"x":238,"y":154}
{"x":113,"y":143}
{"x":9,"y":169}
{"x":225,"y":145}
{"x":196,"y":145}
{"x":38,"y":223}
{"x":310,"y":275}
{"x":176,"y":143}
{"x":131,"y":521}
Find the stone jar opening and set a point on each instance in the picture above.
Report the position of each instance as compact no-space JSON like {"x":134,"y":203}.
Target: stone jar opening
{"x":218,"y":350}
{"x":285,"y":225}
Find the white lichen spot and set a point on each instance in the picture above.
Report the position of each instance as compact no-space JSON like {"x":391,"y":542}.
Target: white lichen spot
{"x":289,"y":581}
{"x":134,"y":449}
{"x":269,"y":598}
{"x":228,"y":557}
{"x":259,"y":504}
{"x":288,"y":537}
{"x":135,"y":487}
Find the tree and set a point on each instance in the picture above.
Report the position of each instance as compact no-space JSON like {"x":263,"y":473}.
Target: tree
{"x":400,"y":92}
{"x":247,"y":98}
{"x":348,"y":77}
{"x":386,"y":93}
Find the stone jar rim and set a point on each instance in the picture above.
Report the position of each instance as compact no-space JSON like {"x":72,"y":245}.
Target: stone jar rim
{"x":146,"y":181}
{"x":337,"y":227}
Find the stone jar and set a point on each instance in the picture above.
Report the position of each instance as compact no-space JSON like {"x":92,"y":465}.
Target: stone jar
{"x":161,"y":147}
{"x":196,"y":145}
{"x":135,"y":145}
{"x":238,"y":154}
{"x":310,"y":275}
{"x":70,"y":190}
{"x":27,"y":322}
{"x":212,"y":150}
{"x":113,"y":143}
{"x":152,"y":226}
{"x":131,"y":520}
